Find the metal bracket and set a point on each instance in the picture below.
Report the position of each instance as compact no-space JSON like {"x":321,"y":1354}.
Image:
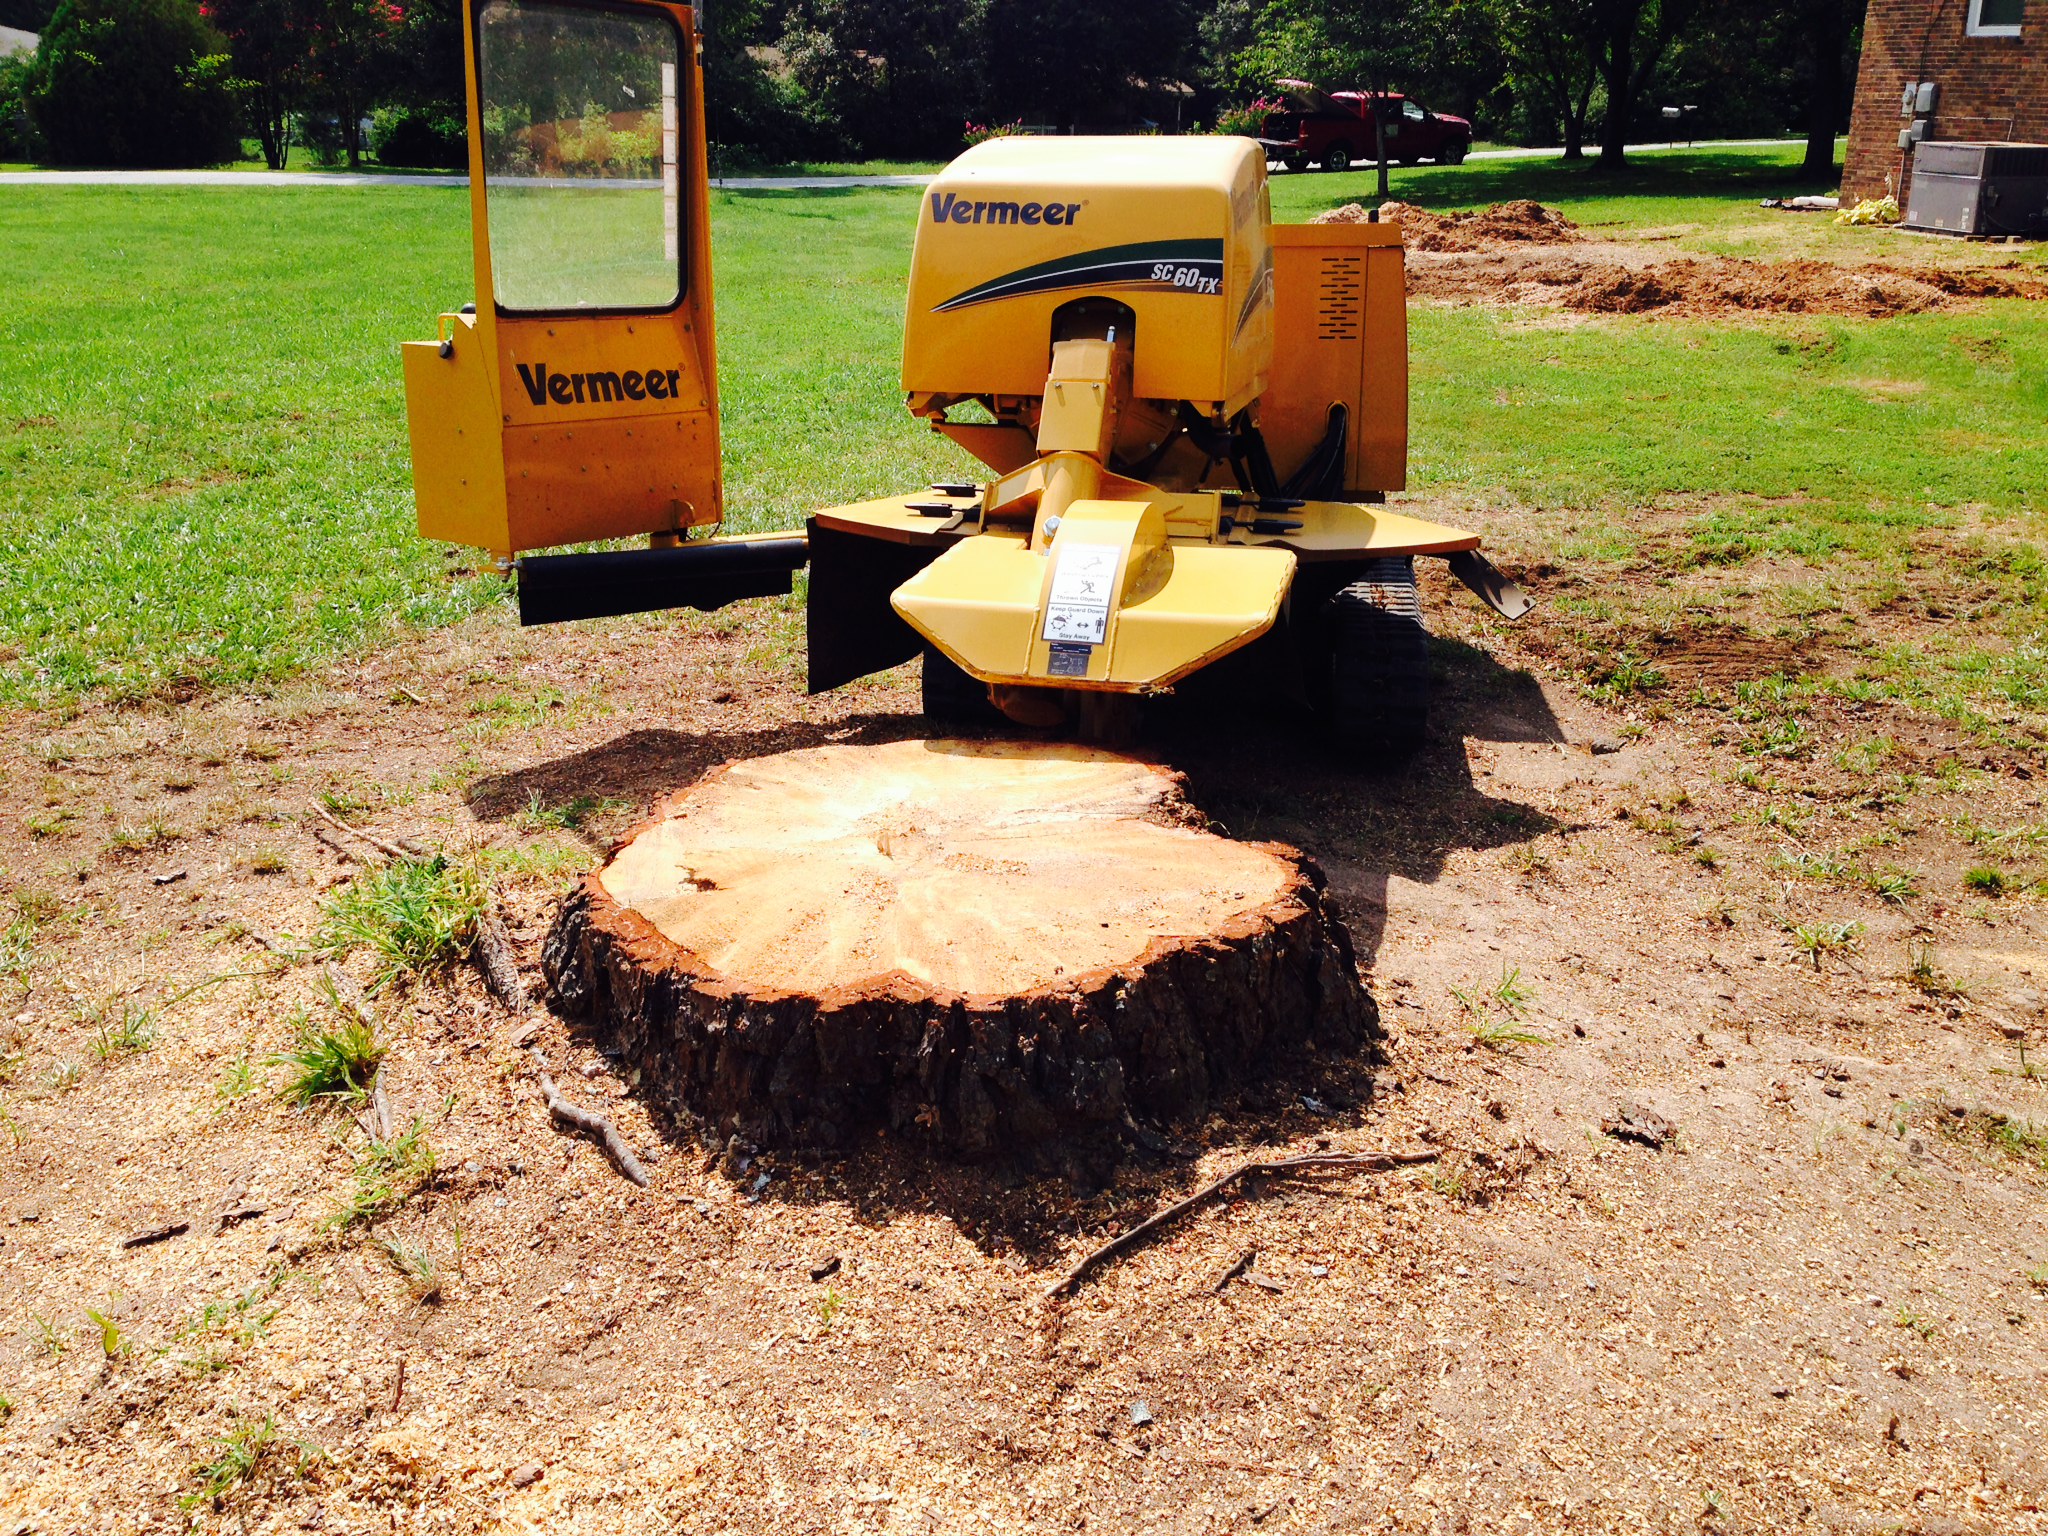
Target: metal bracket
{"x":1503,"y":596}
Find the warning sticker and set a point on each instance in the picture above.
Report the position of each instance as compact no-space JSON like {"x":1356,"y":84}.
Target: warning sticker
{"x":1068,"y":659}
{"x":1083,"y":581}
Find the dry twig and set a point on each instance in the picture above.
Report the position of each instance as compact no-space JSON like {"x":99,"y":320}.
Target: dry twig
{"x":390,"y":850}
{"x":1358,"y":1162}
{"x":594,"y":1124}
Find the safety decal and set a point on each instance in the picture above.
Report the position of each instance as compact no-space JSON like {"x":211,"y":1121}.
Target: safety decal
{"x":1083,"y":581}
{"x":1192,"y":266}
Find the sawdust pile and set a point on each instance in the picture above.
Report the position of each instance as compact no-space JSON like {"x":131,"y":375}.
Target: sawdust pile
{"x":1521,"y":222}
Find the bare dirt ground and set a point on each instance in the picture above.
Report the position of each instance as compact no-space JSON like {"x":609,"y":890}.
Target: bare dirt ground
{"x":1820,"y":1304}
{"x":1522,"y":253}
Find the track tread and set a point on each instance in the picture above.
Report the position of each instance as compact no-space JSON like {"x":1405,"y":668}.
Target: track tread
{"x":1379,"y":683}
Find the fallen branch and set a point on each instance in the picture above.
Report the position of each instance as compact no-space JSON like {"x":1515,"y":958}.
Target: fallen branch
{"x":391,"y":850}
{"x":493,"y":955}
{"x":156,"y":1235}
{"x":1358,"y":1162}
{"x":380,"y":1112}
{"x":593,"y":1124}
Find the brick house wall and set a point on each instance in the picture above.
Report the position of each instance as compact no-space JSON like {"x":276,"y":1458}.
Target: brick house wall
{"x":1993,"y":88}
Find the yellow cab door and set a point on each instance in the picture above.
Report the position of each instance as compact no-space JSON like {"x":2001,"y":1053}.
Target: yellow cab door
{"x":578,"y":398}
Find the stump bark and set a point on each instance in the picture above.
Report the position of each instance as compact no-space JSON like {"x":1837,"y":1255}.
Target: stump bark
{"x":992,"y":945}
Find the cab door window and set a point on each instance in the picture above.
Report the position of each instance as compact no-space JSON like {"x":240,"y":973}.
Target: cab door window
{"x":582,"y":187}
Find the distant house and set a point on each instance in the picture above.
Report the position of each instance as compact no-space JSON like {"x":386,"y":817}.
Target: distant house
{"x":1973,"y":70}
{"x":14,"y":40}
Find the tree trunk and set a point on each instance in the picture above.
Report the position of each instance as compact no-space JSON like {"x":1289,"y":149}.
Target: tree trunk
{"x":986,"y":945}
{"x":1617,"y":71}
{"x":1827,"y":37}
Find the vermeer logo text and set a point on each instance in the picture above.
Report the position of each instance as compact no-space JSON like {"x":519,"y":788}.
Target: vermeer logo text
{"x":590,"y":388}
{"x":949,"y":209}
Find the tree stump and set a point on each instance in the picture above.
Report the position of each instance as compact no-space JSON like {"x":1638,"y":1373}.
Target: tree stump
{"x":990,"y":944}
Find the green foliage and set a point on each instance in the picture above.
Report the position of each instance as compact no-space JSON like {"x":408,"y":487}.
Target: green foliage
{"x":435,"y":137}
{"x":385,"y":1176}
{"x":123,"y":1029}
{"x":332,"y":1063}
{"x":112,"y":1346}
{"x":1985,"y":880}
{"x":415,"y":915}
{"x":236,"y":1457}
{"x":132,"y":83}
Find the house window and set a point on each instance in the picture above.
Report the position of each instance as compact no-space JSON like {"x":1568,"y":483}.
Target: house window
{"x":1996,"y":18}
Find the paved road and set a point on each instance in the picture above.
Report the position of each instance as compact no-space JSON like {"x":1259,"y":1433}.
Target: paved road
{"x":730,"y":183}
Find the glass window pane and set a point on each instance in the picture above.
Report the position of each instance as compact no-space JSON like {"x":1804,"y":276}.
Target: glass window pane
{"x":580,"y":124}
{"x":2001,"y":13}
{"x":1409,"y":109}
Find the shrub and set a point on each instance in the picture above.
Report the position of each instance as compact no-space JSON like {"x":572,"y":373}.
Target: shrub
{"x":17,"y":133}
{"x":1247,"y":122}
{"x":133,"y":83}
{"x":429,"y":137}
{"x":981,"y":133}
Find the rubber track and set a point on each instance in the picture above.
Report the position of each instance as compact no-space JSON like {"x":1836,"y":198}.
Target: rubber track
{"x":1379,"y":664}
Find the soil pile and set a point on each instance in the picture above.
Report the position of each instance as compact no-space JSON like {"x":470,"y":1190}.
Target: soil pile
{"x":1619,"y":280}
{"x":1521,"y":222}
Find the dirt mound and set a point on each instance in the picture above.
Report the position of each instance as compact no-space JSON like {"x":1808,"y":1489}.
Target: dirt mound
{"x":1622,"y":281}
{"x":1521,"y":222}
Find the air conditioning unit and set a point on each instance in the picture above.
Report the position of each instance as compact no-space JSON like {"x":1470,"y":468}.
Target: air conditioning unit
{"x":1980,"y":189}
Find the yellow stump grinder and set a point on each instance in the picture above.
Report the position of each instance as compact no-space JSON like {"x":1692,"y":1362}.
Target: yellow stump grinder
{"x":1190,"y":417}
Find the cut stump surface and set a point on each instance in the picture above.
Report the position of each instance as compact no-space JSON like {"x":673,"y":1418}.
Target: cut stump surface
{"x":992,"y":943}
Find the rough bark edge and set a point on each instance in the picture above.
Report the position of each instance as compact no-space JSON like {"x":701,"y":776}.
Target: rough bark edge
{"x":1162,"y":1038}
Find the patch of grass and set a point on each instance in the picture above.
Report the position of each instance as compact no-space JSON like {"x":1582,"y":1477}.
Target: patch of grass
{"x":2037,"y":1277}
{"x":568,"y":816}
{"x":236,"y":1457}
{"x":414,"y":915}
{"x":1985,"y":880}
{"x":1817,"y":939}
{"x":335,"y":1063}
{"x":130,"y":838}
{"x":222,"y":1325}
{"x":386,"y":1174}
{"x":828,"y":1308}
{"x":1621,"y":676}
{"x":1891,"y":884}
{"x":1926,"y":976}
{"x":17,"y":951}
{"x":124,"y":1029}
{"x":1906,"y":1317}
{"x":1505,"y":1035}
{"x":418,"y":1267}
{"x":48,"y":1339}
{"x":237,"y":1080}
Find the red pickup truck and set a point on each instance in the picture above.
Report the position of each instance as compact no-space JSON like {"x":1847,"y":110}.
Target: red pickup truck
{"x":1334,"y":129}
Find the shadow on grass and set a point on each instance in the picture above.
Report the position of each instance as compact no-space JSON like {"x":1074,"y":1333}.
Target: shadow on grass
{"x":1692,"y":174}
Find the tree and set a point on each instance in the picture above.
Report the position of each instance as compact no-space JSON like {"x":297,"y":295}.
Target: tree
{"x":890,"y":77}
{"x":1079,"y":62}
{"x":269,"y":41}
{"x":132,"y":83}
{"x":1829,"y":29}
{"x":1373,"y":44}
{"x":354,"y":44}
{"x":1549,"y":44}
{"x":1630,"y":39}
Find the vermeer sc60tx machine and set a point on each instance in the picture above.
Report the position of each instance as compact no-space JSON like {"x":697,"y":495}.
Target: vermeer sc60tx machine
{"x":1189,"y":417}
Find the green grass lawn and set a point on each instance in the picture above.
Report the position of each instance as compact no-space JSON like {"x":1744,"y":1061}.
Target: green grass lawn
{"x":203,"y":469}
